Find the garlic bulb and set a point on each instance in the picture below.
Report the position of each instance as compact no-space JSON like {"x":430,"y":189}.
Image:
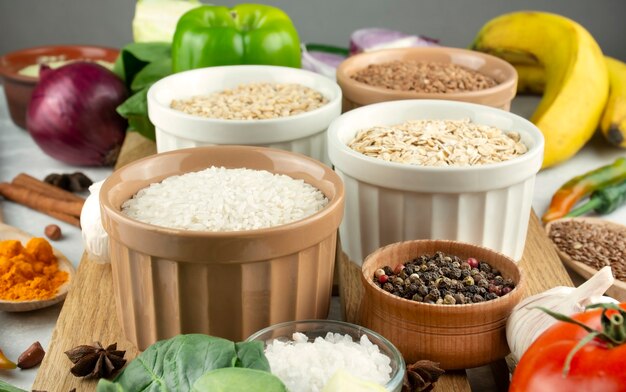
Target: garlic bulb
{"x":95,"y":239}
{"x":526,"y":324}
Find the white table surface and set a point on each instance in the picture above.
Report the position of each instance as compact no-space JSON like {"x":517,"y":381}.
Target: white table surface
{"x":19,"y":154}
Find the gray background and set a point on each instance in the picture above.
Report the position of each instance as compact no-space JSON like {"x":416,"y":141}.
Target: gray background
{"x":25,"y":23}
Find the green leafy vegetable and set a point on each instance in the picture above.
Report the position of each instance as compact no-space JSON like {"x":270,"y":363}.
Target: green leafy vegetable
{"x":135,"y":110}
{"x":151,"y":73}
{"x":238,"y":379}
{"x":175,"y":364}
{"x":6,"y":387}
{"x":140,"y":65}
{"x":105,"y":385}
{"x":135,"y":56}
{"x":251,"y":356}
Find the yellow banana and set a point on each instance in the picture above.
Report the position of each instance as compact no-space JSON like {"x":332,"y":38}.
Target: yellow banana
{"x":613,"y":123}
{"x":576,"y":78}
{"x":531,"y":79}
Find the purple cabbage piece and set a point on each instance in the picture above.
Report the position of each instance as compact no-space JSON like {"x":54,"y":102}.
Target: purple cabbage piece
{"x":321,"y":62}
{"x":365,"y":40}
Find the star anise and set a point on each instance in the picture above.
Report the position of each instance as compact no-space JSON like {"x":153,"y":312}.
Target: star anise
{"x":95,"y":360}
{"x":421,"y":376}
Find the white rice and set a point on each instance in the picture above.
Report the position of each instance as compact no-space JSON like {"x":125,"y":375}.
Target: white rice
{"x":220,"y":199}
{"x":306,"y":366}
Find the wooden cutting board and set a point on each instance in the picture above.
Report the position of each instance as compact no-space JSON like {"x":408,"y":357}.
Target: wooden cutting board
{"x":89,"y":313}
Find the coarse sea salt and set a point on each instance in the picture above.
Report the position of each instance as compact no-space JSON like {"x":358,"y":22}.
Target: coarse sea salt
{"x":221,"y":199}
{"x":306,"y":366}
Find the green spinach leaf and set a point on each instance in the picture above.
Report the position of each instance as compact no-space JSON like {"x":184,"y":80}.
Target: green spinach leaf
{"x":152,"y":72}
{"x":251,"y":355}
{"x":238,"y":379}
{"x":140,"y":64}
{"x":135,"y":110}
{"x":137,"y":55}
{"x":175,"y":364}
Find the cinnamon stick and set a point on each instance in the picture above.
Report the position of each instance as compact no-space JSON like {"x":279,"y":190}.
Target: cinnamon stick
{"x":72,"y":220}
{"x":28,"y":181}
{"x":40,"y":201}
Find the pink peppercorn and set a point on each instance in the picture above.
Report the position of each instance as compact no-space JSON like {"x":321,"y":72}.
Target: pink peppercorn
{"x":472,"y":262}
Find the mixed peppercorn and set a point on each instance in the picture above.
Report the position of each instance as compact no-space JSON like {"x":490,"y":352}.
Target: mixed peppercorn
{"x":443,"y":279}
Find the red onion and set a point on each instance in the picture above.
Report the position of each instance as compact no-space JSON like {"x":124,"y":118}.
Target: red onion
{"x":72,"y":117}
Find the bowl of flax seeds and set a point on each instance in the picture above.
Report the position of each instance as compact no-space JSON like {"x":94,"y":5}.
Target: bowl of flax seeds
{"x":426,"y":73}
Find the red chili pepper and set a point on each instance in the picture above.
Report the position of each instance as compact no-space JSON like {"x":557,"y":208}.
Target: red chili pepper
{"x":578,"y":187}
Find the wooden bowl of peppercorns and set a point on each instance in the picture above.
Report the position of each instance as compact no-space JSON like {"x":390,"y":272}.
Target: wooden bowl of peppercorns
{"x":445,"y":301}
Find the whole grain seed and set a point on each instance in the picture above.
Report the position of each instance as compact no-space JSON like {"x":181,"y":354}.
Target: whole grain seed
{"x":439,"y":143}
{"x":253,"y":101}
{"x":594,"y":245}
{"x":423,"y":77}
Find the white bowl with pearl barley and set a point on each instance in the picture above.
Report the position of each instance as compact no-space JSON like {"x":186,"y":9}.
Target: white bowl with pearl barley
{"x":290,"y":117}
{"x":471,"y":198}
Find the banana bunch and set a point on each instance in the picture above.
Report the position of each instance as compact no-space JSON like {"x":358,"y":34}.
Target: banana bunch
{"x":613,"y":123}
{"x":532,"y":80}
{"x":557,"y":57}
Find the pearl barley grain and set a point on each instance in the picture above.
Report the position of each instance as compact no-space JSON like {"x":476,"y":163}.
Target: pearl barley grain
{"x":253,"y":101}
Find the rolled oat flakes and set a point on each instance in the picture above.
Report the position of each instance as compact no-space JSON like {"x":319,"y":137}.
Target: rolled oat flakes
{"x":253,"y":101}
{"x":439,"y":143}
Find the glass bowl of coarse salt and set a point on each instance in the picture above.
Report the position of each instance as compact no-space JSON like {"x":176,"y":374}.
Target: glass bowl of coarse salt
{"x":306,"y":354}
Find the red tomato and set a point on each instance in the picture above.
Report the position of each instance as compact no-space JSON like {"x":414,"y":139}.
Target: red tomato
{"x":594,"y":368}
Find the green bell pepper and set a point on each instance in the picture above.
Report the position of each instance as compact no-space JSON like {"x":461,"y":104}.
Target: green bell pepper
{"x":245,"y":34}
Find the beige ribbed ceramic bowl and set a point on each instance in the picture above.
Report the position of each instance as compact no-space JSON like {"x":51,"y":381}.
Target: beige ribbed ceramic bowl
{"x":356,"y":94}
{"x":227,"y":284}
{"x":456,"y":336}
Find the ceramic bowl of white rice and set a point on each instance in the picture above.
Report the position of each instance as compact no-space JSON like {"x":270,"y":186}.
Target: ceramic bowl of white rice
{"x":222,"y":240}
{"x":306,"y":354}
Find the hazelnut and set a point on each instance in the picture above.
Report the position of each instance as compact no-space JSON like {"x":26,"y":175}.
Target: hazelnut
{"x":53,"y":232}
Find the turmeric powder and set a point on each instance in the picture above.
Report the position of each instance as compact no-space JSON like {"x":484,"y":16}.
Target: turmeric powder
{"x":29,"y":273}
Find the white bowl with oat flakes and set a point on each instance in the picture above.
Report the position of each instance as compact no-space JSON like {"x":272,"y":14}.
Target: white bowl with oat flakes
{"x":260,"y":105}
{"x":437,"y":178}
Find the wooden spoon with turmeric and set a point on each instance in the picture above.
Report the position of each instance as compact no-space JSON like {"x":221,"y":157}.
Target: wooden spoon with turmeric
{"x":41,"y":262}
